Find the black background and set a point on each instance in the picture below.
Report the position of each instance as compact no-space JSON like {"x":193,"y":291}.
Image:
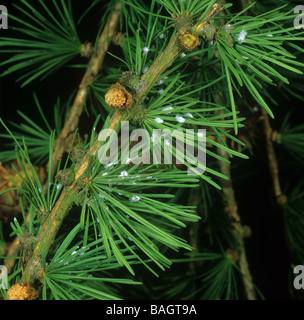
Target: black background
{"x":266,"y":249}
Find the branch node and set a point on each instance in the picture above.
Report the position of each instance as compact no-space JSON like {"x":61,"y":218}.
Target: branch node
{"x":118,"y":97}
{"x":86,"y":50}
{"x":66,"y":177}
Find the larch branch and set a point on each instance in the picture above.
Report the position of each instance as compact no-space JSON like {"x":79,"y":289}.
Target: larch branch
{"x":232,"y":210}
{"x":93,"y":68}
{"x":33,"y":269}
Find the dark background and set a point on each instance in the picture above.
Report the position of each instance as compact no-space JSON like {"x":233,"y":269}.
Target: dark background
{"x":266,"y":249}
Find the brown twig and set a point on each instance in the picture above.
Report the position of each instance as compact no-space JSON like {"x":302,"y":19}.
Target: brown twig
{"x":231,"y":209}
{"x":239,"y":231}
{"x":90,"y":75}
{"x":281,"y":198}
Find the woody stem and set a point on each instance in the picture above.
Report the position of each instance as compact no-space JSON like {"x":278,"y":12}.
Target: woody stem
{"x":65,"y":201}
{"x":90,"y":75}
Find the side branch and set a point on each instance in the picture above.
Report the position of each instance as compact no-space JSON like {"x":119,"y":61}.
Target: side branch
{"x":90,"y":75}
{"x":280,"y":198}
{"x":232,"y":211}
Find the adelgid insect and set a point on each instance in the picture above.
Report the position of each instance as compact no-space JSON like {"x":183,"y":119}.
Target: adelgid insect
{"x":118,"y":97}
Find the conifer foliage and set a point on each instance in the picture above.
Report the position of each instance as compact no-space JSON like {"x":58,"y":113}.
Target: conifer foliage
{"x":73,"y":226}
